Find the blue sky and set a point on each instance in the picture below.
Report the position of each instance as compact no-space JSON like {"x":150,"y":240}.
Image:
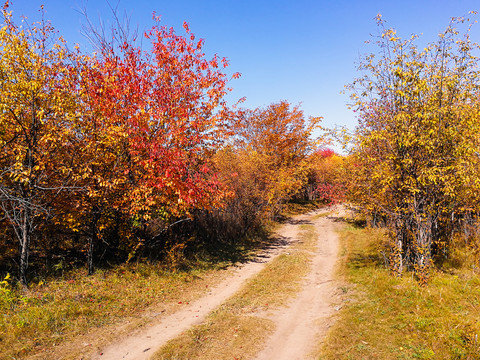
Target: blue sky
{"x":302,"y":51}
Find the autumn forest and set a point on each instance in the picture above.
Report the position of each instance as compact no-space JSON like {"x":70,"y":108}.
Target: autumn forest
{"x":130,"y":162}
{"x":129,"y":154}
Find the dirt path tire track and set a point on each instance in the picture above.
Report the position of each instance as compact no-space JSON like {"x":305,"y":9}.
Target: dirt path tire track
{"x":295,"y":324}
{"x":144,"y":342}
{"x":301,"y":327}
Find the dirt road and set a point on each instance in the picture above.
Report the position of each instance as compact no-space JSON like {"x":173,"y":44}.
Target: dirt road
{"x":302,"y":325}
{"x":299,"y":326}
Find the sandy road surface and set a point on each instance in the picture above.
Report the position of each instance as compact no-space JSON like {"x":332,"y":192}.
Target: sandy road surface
{"x":298,"y":326}
{"x":301,"y":326}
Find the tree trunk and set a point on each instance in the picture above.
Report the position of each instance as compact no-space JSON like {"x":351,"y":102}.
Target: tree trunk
{"x":92,"y":240}
{"x":397,"y":247}
{"x":90,"y":266}
{"x":24,"y":248}
{"x":423,"y":253}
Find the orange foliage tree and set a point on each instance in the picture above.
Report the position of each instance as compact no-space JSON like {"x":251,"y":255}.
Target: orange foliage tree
{"x":129,"y":133}
{"x":269,"y":155}
{"x":327,"y":177}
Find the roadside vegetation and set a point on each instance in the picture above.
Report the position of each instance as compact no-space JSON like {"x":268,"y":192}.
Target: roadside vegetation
{"x":415,"y":153}
{"x":386,"y":317}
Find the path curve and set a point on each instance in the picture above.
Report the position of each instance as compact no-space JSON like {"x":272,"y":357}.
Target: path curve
{"x":146,"y":341}
{"x":298,"y":326}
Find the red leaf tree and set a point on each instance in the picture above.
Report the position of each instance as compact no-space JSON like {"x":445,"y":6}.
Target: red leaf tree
{"x":150,"y":124}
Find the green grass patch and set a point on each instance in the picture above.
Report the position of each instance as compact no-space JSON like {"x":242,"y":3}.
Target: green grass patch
{"x":384,"y":317}
{"x":234,"y":330}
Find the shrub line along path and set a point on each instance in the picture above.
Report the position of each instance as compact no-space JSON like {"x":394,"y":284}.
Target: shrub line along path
{"x":299,"y":327}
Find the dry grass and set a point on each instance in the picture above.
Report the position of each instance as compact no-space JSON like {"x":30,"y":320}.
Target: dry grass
{"x":81,"y":307}
{"x":239,"y":328}
{"x":389,"y":318}
{"x":77,"y":314}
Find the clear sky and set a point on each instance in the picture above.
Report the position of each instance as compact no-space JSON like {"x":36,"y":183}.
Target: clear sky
{"x":302,"y":51}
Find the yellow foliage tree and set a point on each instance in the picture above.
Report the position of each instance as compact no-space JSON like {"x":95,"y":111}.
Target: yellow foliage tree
{"x":415,"y":153}
{"x":34,"y":108}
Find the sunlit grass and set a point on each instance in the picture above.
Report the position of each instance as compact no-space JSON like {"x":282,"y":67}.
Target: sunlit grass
{"x":384,"y":317}
{"x":60,"y":310}
{"x":301,"y":206}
